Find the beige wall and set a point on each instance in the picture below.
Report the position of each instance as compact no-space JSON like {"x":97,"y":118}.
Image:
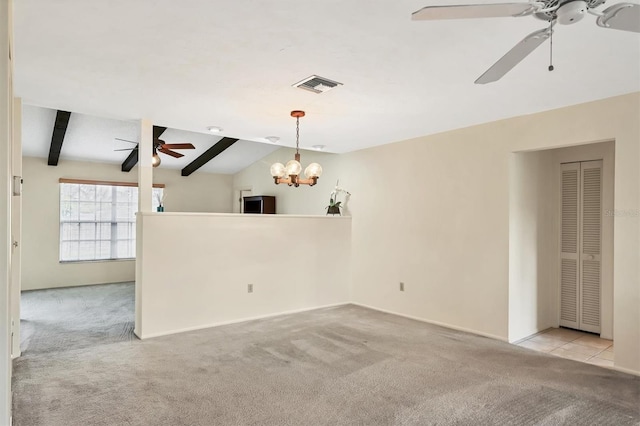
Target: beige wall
{"x":446,"y":232}
{"x":200,"y":192}
{"x":433,"y":212}
{"x":214,"y":257}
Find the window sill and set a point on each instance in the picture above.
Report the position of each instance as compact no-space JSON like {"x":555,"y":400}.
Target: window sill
{"x":131,"y":259}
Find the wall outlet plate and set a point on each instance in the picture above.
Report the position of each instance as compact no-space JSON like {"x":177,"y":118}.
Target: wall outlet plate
{"x":401,"y":286}
{"x":249,"y":288}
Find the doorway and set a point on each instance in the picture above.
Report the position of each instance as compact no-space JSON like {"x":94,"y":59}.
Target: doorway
{"x":238,"y":205}
{"x":537,"y":269}
{"x":581,"y":248}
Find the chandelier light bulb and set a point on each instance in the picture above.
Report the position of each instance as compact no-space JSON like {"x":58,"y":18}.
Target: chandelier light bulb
{"x":155,"y":160}
{"x":313,"y":170}
{"x":277,"y":170}
{"x":293,"y":167}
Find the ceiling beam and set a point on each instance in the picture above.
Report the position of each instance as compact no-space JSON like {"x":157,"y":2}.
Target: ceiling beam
{"x":132,"y":159}
{"x":158,"y":131}
{"x":59,"y":130}
{"x":208,"y":155}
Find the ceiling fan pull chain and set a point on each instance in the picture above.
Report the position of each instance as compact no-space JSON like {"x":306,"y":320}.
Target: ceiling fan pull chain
{"x":551,"y":46}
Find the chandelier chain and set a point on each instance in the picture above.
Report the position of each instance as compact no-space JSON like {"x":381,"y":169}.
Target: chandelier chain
{"x":297,"y":133}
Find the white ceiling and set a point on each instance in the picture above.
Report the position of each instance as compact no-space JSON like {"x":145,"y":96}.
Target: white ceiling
{"x":200,"y":63}
{"x":91,"y":138}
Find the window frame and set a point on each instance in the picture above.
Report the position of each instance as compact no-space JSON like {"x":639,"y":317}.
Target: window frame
{"x":113,"y":221}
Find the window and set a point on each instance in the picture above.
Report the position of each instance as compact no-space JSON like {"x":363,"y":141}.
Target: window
{"x":98,"y":220}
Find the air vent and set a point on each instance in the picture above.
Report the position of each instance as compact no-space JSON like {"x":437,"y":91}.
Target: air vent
{"x":317,"y":84}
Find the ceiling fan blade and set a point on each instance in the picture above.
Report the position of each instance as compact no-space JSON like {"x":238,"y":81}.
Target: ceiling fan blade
{"x":468,"y":11}
{"x":621,"y":16}
{"x":514,"y":56}
{"x":124,"y":140}
{"x":157,"y":131}
{"x":178,"y":146}
{"x":171,"y":153}
{"x":126,"y":149}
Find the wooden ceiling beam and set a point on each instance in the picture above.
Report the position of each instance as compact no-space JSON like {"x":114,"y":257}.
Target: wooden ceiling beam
{"x":131,"y":161}
{"x":208,"y":155}
{"x":57,"y":138}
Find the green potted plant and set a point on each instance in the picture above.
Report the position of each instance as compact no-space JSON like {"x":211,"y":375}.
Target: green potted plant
{"x":334,"y":205}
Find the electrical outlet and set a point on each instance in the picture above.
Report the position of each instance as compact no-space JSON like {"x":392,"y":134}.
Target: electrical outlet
{"x":250,"y":288}
{"x":401,"y":286}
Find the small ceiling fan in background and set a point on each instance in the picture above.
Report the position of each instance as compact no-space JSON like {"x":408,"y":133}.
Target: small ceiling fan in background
{"x":621,"y":16}
{"x":160,"y":146}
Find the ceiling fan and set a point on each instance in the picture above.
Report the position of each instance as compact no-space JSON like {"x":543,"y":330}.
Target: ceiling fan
{"x":621,"y":16}
{"x":160,"y":146}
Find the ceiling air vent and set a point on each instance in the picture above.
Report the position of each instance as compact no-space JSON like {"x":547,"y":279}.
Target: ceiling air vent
{"x":317,"y":84}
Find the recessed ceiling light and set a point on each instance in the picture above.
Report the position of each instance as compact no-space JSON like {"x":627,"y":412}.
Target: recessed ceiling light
{"x":318,"y":147}
{"x":272,"y":139}
{"x":214,"y":129}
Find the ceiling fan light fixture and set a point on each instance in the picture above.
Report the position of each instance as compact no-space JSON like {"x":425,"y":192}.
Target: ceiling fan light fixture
{"x":155,"y":160}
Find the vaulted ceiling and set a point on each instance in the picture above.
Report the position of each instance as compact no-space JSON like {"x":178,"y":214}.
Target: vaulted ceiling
{"x":198,"y":63}
{"x":90,"y":138}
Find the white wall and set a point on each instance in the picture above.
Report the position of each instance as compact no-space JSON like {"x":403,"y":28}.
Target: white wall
{"x":200,"y":192}
{"x":433,"y":212}
{"x":294,"y":263}
{"x":532,"y":215}
{"x":290,"y":200}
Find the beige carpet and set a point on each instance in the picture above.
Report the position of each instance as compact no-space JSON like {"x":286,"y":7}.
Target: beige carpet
{"x":338,"y":366}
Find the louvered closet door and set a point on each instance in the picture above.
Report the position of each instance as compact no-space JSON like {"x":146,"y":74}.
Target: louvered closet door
{"x":590,"y":253}
{"x":569,"y":274}
{"x":580,"y":262}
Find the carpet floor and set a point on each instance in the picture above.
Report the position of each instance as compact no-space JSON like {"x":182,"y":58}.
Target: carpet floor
{"x":337,"y":366}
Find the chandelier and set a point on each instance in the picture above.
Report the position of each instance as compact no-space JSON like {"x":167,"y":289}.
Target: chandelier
{"x":293,"y":168}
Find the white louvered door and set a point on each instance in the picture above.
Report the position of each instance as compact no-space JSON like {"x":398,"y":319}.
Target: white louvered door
{"x":569,"y":283}
{"x":580,"y":259}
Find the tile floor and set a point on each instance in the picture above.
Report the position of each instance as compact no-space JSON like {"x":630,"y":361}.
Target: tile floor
{"x":572,"y":344}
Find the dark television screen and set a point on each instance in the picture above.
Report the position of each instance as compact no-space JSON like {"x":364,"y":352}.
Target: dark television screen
{"x":251,"y":206}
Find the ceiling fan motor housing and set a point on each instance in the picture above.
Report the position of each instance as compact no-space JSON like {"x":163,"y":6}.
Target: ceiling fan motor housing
{"x":572,"y":12}
{"x":552,"y":10}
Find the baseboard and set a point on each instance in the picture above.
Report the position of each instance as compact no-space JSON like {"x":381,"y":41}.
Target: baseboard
{"x":236,"y":321}
{"x":626,"y":370}
{"x":77,"y":285}
{"x":441,"y":324}
{"x":544,"y":330}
